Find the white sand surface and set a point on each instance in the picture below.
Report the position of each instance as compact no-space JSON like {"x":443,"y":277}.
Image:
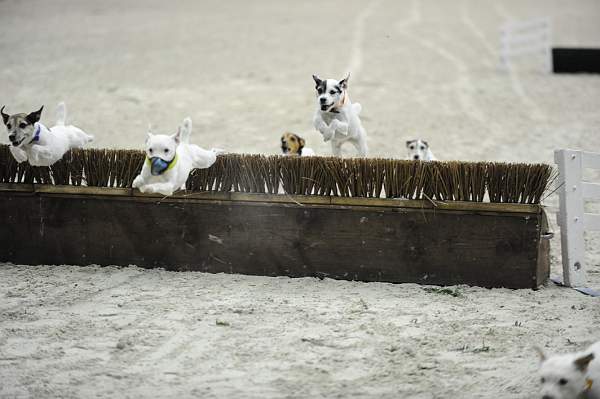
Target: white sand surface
{"x":242,"y":71}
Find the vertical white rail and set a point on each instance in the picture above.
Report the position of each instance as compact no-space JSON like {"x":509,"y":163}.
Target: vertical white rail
{"x":572,"y":218}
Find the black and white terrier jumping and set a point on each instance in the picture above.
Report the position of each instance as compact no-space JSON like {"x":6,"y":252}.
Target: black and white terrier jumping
{"x":42,"y":146}
{"x":337,"y":118}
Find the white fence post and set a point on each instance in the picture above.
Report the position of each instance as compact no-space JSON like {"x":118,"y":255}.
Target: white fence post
{"x":572,"y":218}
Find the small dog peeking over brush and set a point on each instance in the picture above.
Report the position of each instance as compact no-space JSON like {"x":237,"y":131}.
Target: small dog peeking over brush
{"x":419,"y":150}
{"x":292,"y":144}
{"x":169,"y":161}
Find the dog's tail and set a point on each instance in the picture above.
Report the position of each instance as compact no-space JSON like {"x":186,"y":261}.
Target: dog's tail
{"x":357,"y":108}
{"x":186,"y":130}
{"x":61,"y":114}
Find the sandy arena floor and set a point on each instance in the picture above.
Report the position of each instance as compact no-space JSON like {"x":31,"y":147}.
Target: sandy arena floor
{"x":242,"y":71}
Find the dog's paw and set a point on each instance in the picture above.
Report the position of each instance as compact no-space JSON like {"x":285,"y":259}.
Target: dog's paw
{"x":150,"y":189}
{"x":137,"y":182}
{"x":338,"y":126}
{"x":327,"y":134}
{"x":19,"y":155}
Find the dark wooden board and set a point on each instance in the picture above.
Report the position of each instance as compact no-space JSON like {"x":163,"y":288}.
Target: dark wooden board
{"x":576,"y":60}
{"x":343,"y":242}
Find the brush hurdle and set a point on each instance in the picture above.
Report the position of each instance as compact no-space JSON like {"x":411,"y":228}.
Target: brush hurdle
{"x":441,"y":223}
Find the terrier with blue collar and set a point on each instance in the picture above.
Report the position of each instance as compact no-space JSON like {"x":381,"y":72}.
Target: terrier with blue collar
{"x":41,"y":146}
{"x":169,"y":161}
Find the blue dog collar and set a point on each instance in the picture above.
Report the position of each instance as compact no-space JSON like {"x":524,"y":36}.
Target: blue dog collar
{"x":36,"y":134}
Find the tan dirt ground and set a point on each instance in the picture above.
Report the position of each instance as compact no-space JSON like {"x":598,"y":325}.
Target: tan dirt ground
{"x":242,"y":71}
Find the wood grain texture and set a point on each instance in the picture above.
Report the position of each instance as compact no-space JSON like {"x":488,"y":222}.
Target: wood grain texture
{"x":272,"y":239}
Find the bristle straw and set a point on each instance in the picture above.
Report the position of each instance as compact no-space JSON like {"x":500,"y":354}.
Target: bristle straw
{"x":345,"y":177}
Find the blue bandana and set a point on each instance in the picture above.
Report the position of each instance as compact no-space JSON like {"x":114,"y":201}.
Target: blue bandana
{"x":158,"y":166}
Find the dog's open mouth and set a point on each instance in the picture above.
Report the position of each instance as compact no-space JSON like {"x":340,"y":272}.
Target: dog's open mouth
{"x":285,"y":149}
{"x":326,"y":107}
{"x":17,"y":143}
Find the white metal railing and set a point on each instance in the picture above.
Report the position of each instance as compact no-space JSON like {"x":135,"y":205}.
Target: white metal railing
{"x":572,"y":218}
{"x":529,"y":37}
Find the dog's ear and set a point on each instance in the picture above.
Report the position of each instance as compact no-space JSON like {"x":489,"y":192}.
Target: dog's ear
{"x":4,"y":116}
{"x":583,"y":362}
{"x":344,"y":82}
{"x":318,"y":81}
{"x":177,"y":136}
{"x":408,"y":142}
{"x":540,"y":353}
{"x":34,"y":116}
{"x":426,"y":144}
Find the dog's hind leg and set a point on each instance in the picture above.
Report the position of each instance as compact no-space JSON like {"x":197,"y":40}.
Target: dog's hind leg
{"x":202,"y":158}
{"x":61,"y":114}
{"x":361,"y":146}
{"x":336,"y":148}
{"x":79,"y":138}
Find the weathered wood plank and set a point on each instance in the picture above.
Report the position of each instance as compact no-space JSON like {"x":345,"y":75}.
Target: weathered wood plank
{"x":280,"y":198}
{"x":269,"y":238}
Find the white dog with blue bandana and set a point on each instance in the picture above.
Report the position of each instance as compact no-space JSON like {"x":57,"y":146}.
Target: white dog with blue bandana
{"x":169,"y":161}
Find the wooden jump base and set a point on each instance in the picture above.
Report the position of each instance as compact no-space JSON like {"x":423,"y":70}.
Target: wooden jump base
{"x":366,"y":239}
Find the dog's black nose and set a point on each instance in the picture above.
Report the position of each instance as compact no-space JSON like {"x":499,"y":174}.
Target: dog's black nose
{"x":12,"y":137}
{"x":323,"y":100}
{"x":416,"y":157}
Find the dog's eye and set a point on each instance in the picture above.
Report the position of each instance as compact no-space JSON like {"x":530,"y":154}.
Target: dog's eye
{"x":150,"y":150}
{"x":563,"y":381}
{"x":412,"y":147}
{"x":422,"y":147}
{"x":293,"y":139}
{"x":22,"y":125}
{"x":9,"y":126}
{"x":332,"y":92}
{"x":166,"y":150}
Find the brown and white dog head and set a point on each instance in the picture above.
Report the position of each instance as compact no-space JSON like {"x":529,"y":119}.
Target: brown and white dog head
{"x":292,"y":144}
{"x":21,"y":127}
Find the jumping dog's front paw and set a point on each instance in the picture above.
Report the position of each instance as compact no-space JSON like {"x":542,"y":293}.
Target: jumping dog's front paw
{"x":337,"y":126}
{"x":327,"y":134}
{"x":19,"y":155}
{"x":137,"y":182}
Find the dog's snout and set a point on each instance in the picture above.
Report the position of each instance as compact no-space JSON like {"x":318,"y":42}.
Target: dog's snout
{"x":12,"y":137}
{"x":323,"y":100}
{"x":416,"y":157}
